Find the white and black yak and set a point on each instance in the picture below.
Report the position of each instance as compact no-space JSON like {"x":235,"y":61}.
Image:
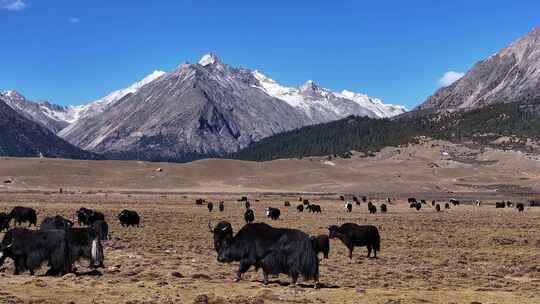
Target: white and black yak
{"x":275,"y":250}
{"x":353,"y":235}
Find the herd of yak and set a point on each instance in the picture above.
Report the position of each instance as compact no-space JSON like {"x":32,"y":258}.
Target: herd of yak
{"x":57,"y":241}
{"x":274,"y":250}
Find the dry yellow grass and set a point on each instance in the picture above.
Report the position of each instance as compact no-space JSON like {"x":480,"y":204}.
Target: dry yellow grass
{"x":464,"y":255}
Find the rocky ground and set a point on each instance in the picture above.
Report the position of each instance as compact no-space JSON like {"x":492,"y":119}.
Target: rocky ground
{"x":463,"y":255}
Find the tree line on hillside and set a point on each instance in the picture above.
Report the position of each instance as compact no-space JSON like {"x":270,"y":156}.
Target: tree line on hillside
{"x":482,"y":126}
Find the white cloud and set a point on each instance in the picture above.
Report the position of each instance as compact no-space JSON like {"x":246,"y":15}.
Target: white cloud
{"x":74,"y":20}
{"x":13,"y":5}
{"x":450,"y":77}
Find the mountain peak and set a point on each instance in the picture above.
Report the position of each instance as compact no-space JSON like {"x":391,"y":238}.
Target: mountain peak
{"x":13,"y":94}
{"x":310,"y":85}
{"x":209,"y":59}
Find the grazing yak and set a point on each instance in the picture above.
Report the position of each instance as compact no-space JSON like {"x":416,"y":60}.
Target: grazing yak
{"x":447,"y":206}
{"x":314,"y":208}
{"x":356,"y":201}
{"x":4,"y":221}
{"x":305,"y":202}
{"x":509,"y":204}
{"x":87,"y":216}
{"x":364,"y":198}
{"x":384,"y":208}
{"x":321,"y":243}
{"x":500,"y":205}
{"x":222,"y":231}
{"x":423,"y":202}
{"x":533,"y":203}
{"x":29,"y":249}
{"x":342,"y":198}
{"x":102,"y":229}
{"x":300,"y":208}
{"x":287,"y":204}
{"x":418,"y":206}
{"x":371,"y":208}
{"x":411,"y":201}
{"x":210,"y":206}
{"x":200,"y":201}
{"x":348,"y":206}
{"x":23,"y":214}
{"x":273,"y":213}
{"x":438,"y":208}
{"x":56,"y":222}
{"x":353,"y":235}
{"x":129,"y":218}
{"x":454,"y":202}
{"x":433,"y":203}
{"x":275,"y":250}
{"x":249,"y":216}
{"x":221,"y":206}
{"x":520,"y":207}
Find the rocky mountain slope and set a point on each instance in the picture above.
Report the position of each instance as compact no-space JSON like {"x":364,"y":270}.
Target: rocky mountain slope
{"x":20,"y":136}
{"x":513,"y":74}
{"x":210,"y":109}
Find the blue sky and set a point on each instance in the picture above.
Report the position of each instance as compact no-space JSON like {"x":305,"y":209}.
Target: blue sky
{"x":72,"y":52}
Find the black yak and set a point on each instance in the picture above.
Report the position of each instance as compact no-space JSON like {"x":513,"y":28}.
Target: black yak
{"x":321,"y":243}
{"x":348,"y":206}
{"x":418,"y":206}
{"x":210,"y":206}
{"x":300,"y":208}
{"x":353,"y":235}
{"x":433,"y":203}
{"x":102,"y":229}
{"x":287,"y":204}
{"x":24,"y":214}
{"x":520,"y":207}
{"x":305,"y":202}
{"x":247,"y":204}
{"x":356,"y":201}
{"x":423,"y":202}
{"x":342,"y":198}
{"x":4,"y":221}
{"x":438,"y":208}
{"x":200,"y":201}
{"x":87,"y":216}
{"x":29,"y":249}
{"x":249,"y":216}
{"x":384,"y":208}
{"x":129,"y":218}
{"x":412,"y":200}
{"x":56,"y":222}
{"x":371,"y":208}
{"x":275,"y":250}
{"x":314,"y":208}
{"x":500,"y":205}
{"x":447,"y":206}
{"x":221,"y":206}
{"x":454,"y":202}
{"x":273,"y":213}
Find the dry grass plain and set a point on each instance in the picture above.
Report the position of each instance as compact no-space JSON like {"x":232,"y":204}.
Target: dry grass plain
{"x":463,"y":255}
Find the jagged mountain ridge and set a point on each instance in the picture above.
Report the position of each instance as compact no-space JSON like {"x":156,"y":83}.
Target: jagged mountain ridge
{"x":512,"y":74}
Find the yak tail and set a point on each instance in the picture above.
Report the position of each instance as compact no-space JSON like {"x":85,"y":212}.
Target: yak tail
{"x":97,"y":252}
{"x":309,"y":262}
{"x":377,"y":244}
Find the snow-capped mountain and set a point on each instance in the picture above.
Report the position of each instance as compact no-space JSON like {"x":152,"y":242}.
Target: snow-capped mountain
{"x":512,"y":74}
{"x":203,"y":109}
{"x":50,"y":116}
{"x":98,"y":106}
{"x":323,"y":105}
{"x":21,"y":136}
